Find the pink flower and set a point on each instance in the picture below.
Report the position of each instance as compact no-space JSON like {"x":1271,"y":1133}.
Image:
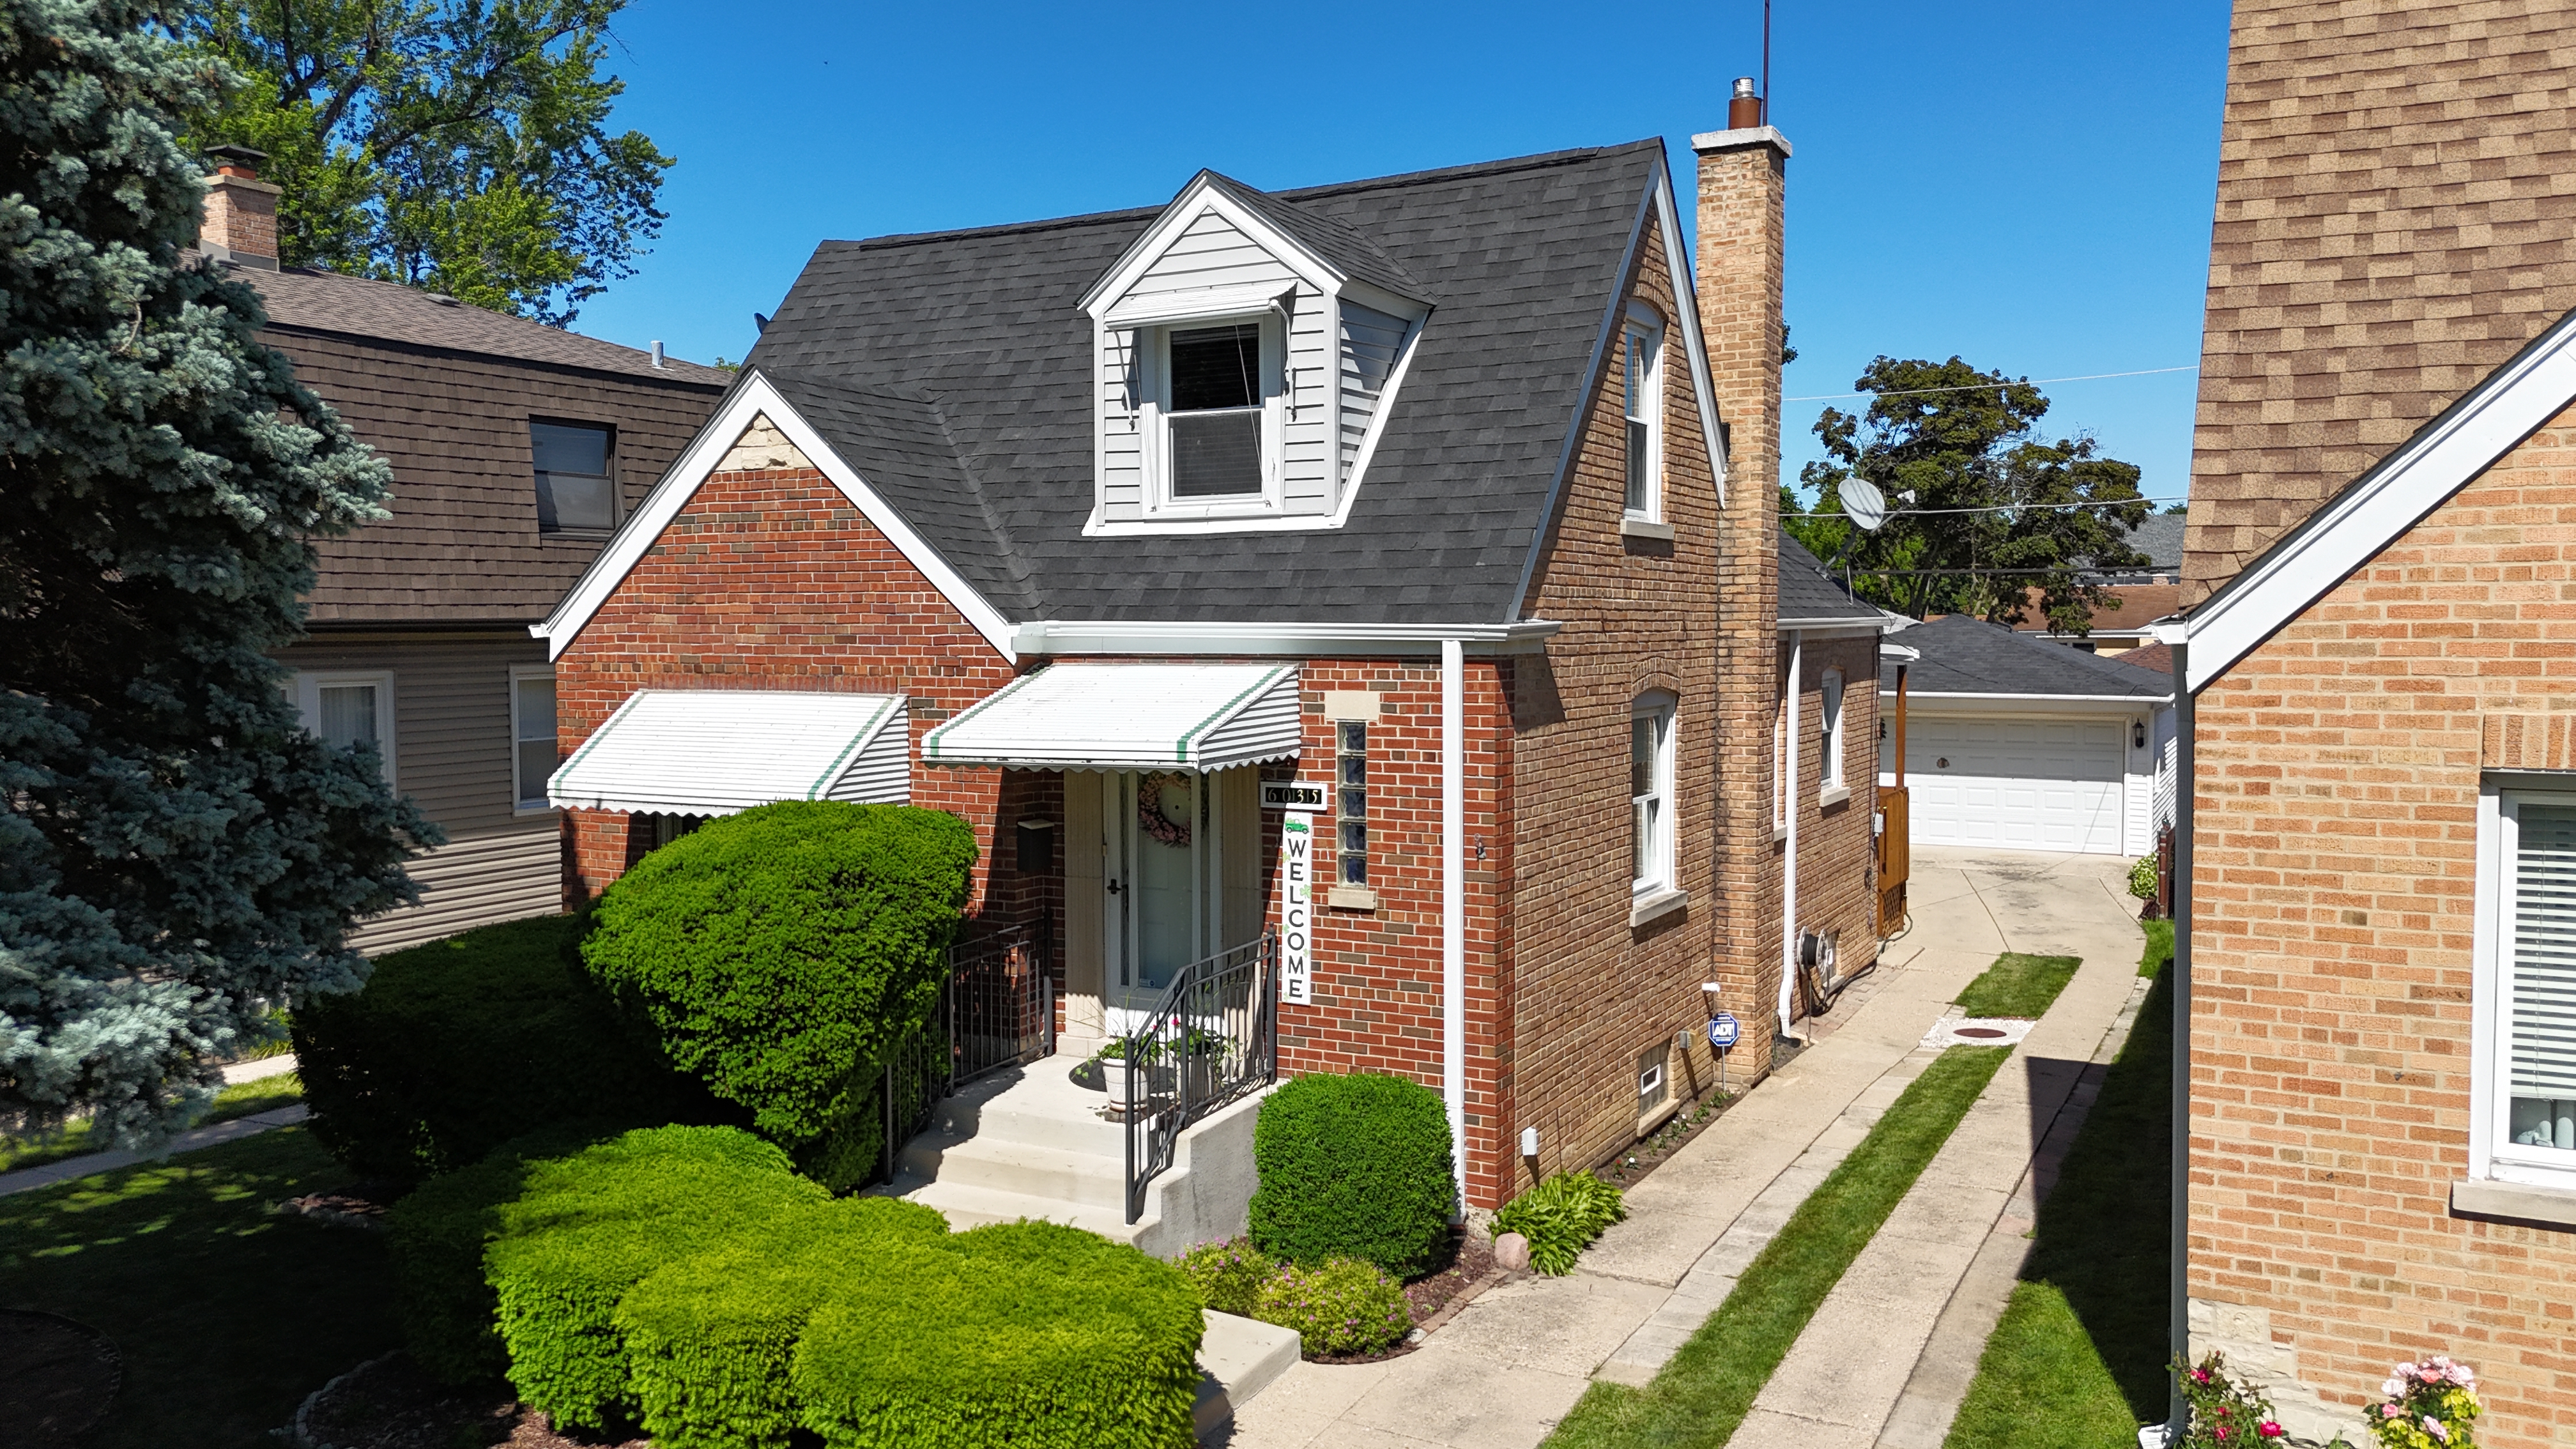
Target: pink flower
{"x":2271,"y":1430}
{"x":2220,"y":1431}
{"x":2201,"y":1375}
{"x":2390,"y":1411}
{"x":2434,"y":1427}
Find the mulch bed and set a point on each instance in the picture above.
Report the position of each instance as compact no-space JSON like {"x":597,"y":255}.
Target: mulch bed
{"x":1632,"y":1166}
{"x":1471,"y":1261}
{"x":61,"y":1378}
{"x":390,"y":1403}
{"x":359,"y":1205}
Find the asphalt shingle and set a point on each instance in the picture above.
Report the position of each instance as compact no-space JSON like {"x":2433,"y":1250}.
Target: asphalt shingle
{"x":1965,"y":655}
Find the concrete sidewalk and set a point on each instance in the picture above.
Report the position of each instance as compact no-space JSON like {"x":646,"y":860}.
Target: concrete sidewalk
{"x":27,"y":1179}
{"x":1514,"y":1362}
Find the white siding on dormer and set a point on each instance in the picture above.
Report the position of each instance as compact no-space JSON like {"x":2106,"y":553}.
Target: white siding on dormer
{"x":1309,"y":479}
{"x":1212,"y":252}
{"x":1122,"y":442}
{"x":1370,"y":342}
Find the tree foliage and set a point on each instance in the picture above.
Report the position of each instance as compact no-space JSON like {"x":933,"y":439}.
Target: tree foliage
{"x":1956,"y":438}
{"x":459,"y":145}
{"x":176,"y":852}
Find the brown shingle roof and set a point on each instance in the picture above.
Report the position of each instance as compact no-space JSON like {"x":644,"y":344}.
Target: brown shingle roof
{"x":319,"y":301}
{"x":2396,"y":218}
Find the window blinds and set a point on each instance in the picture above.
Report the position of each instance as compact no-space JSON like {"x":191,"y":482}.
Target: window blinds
{"x":2541,"y":1067}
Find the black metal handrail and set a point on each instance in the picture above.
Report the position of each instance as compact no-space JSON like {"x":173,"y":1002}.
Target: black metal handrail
{"x":1212,"y":1038}
{"x":996,"y":1010}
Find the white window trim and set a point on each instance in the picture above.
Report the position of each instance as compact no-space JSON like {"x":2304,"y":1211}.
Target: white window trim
{"x":1644,"y":321}
{"x":2491,"y":1156}
{"x":309,"y":684}
{"x":518,"y":802}
{"x":1646,"y":890}
{"x":1153,"y":349}
{"x":1833,"y":721}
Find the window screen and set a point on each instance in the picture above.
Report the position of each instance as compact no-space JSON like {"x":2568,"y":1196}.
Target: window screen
{"x":1351,"y":755}
{"x":1642,"y":411}
{"x":1216,"y":411}
{"x":2541,"y":1062}
{"x":574,"y":492}
{"x":534,"y":724}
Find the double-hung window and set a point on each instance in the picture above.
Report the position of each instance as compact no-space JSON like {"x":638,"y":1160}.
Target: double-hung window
{"x":1831,"y":776}
{"x":576,"y":490}
{"x":1643,"y":374}
{"x":350,"y":710}
{"x":2527,"y":992}
{"x":1650,"y":795}
{"x":1216,"y":428}
{"x":532,"y":734}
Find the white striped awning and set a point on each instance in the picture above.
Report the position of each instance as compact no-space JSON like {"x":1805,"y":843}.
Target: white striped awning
{"x":1128,"y":717}
{"x":717,"y":751}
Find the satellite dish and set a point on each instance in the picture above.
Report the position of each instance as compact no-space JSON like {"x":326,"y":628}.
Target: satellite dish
{"x":1863,"y":504}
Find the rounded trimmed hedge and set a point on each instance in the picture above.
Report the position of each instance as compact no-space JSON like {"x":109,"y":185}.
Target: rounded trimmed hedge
{"x":1353,"y":1166}
{"x":458,"y":1046}
{"x":780,"y":952}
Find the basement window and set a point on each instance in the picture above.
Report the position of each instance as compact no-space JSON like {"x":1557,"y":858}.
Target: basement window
{"x":576,"y":493}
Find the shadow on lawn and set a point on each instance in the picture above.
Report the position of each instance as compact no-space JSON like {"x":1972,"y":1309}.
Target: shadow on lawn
{"x":2102,"y":1235}
{"x":226,"y":1315}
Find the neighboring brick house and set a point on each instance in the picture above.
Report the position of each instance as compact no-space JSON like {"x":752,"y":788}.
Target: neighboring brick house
{"x":1400,"y":489}
{"x":516,"y":449}
{"x":2380,"y":663}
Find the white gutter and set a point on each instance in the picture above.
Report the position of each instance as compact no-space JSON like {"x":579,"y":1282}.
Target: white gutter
{"x":1790,"y":745}
{"x":1153,"y":636}
{"x":1453,"y":904}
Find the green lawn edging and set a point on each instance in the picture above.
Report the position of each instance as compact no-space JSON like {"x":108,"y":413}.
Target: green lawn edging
{"x":1711,"y":1383}
{"x":2018,"y":985}
{"x":2078,"y":1357}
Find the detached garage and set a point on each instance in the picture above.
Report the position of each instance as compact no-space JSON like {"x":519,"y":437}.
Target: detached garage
{"x":2013,"y":743}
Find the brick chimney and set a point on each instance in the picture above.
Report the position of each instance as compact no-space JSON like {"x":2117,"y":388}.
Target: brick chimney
{"x":240,"y":223}
{"x":1743,"y":173}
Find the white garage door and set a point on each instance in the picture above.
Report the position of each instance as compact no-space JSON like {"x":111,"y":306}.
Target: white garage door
{"x":2015,"y":784}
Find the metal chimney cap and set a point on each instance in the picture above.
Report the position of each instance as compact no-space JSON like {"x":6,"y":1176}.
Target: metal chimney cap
{"x":1743,"y":88}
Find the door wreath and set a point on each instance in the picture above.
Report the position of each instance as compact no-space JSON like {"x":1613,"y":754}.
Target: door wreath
{"x":1149,"y":809}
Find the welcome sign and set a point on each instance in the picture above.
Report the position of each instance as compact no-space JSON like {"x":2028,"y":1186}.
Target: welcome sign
{"x":1296,"y":907}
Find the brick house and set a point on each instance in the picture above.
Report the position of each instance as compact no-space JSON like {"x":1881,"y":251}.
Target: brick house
{"x":1400,"y":490}
{"x":2376,"y":659}
{"x":516,"y":449}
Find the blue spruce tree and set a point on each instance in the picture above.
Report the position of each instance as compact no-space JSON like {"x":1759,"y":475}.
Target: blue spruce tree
{"x":176,"y":853}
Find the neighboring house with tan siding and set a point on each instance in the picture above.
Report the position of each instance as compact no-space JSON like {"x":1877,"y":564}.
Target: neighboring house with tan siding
{"x":2379,"y":903}
{"x":516,"y":450}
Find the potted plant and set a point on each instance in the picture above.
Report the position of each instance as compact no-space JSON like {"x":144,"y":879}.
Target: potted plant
{"x":1203,"y":1062}
{"x":1116,"y":1066}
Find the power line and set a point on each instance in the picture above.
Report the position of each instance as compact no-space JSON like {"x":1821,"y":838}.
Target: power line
{"x":1982,"y":386}
{"x":1986,"y":508}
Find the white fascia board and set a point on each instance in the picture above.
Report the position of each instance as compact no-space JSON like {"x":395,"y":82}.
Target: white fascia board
{"x":2353,"y":527}
{"x":1204,"y":303}
{"x":751,"y":398}
{"x":1702,"y":386}
{"x":1196,"y":199}
{"x":1058,"y":637}
{"x":1846,"y":628}
{"x":1936,"y":703}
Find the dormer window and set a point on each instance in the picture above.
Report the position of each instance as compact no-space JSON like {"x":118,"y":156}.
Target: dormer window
{"x":1642,"y":358}
{"x":1215,"y":415}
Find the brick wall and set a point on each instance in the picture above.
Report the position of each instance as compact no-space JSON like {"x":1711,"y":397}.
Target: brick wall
{"x":1742,"y":200}
{"x":2332,"y":902}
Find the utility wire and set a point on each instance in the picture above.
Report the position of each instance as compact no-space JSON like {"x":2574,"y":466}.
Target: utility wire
{"x":1982,"y":386}
{"x":1988,"y":508}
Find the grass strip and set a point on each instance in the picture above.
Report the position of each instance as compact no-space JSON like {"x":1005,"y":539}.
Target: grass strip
{"x":2078,"y":1358}
{"x":1706,"y":1390}
{"x":226,"y":1315}
{"x":2019,"y":985}
{"x":241,"y":1099}
{"x":2160,"y":947}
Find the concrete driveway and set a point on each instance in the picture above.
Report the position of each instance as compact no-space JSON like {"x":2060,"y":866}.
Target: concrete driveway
{"x":1972,"y":905}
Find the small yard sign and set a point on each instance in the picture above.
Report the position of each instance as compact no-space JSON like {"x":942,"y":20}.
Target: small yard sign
{"x":1289,"y":795}
{"x":1724,"y":1031}
{"x":1296,"y":905}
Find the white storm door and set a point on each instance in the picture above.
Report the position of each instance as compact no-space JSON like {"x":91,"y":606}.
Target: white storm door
{"x":2016,"y":784}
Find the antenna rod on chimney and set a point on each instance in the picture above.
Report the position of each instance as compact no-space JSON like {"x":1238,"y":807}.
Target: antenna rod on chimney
{"x":1766,"y":62}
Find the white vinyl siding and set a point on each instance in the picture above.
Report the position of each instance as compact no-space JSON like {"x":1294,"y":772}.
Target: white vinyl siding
{"x":1371,"y":342}
{"x":452,"y":720}
{"x":1122,"y":414}
{"x":1211,"y":252}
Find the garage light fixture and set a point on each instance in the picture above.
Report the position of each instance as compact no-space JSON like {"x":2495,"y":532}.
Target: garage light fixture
{"x":2138,"y":733}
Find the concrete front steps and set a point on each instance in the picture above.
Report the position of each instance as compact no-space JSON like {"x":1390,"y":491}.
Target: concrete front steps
{"x":1030,"y":1144}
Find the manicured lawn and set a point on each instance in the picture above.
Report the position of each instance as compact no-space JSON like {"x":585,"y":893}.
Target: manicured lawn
{"x":1705,"y":1391}
{"x":238,"y":1100}
{"x":2078,"y":1360}
{"x":2160,"y":947}
{"x":226,"y":1316}
{"x":2018,"y":985}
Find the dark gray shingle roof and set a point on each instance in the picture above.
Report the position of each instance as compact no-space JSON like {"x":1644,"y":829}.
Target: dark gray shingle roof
{"x":1523,"y":258}
{"x":1810,"y":596}
{"x":1965,"y":655}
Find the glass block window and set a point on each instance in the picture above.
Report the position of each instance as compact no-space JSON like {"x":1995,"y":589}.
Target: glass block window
{"x":1350,"y":755}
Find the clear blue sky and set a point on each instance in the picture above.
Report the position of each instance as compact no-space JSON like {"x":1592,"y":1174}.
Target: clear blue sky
{"x":2027,"y":185}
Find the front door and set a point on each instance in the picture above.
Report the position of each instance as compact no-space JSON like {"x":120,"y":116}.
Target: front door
{"x":1161,"y":868}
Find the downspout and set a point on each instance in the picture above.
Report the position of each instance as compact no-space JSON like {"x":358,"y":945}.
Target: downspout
{"x":1453,"y":905}
{"x":2178,"y":1322}
{"x":1790,"y":744}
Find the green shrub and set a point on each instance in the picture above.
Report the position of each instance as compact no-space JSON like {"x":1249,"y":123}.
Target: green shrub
{"x":1353,"y":1167}
{"x":588,"y":1227}
{"x":1028,"y":1334}
{"x":2144,"y":877}
{"x":1561,"y":1217}
{"x":453,"y":1048}
{"x":1229,"y":1275}
{"x":1345,"y":1306}
{"x":778,"y":953}
{"x":434,"y":1240}
{"x":710,"y":1338}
